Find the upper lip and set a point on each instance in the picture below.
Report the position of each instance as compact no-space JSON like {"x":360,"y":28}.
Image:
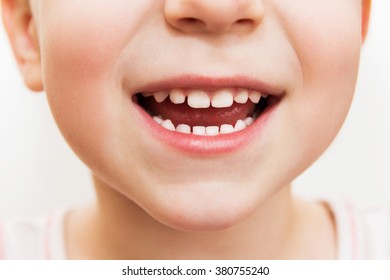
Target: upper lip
{"x":209,"y":84}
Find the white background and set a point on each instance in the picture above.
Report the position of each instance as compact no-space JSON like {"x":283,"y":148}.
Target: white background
{"x":38,"y":171}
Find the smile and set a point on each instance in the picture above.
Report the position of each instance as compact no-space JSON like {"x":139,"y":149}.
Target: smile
{"x":206,"y":115}
{"x":201,"y":112}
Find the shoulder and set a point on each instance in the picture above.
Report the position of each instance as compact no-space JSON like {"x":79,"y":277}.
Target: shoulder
{"x":34,"y":238}
{"x":363,"y":231}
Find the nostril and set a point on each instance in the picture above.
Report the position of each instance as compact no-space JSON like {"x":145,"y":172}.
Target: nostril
{"x":190,"y":20}
{"x":191,"y":23}
{"x":245,"y":21}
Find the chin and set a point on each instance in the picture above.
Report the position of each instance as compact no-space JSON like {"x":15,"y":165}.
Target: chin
{"x":209,"y":220}
{"x":203,"y":207}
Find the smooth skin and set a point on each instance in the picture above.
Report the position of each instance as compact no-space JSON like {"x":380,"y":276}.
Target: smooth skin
{"x":91,"y":56}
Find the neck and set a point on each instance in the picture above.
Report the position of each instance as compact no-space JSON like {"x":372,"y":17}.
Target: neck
{"x":122,"y":230}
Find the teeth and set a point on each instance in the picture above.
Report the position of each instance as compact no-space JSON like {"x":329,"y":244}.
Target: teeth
{"x":226,"y":129}
{"x":205,"y":131}
{"x":222,"y":99}
{"x":183,"y":128}
{"x":212,"y":130}
{"x":242,"y":96}
{"x":199,"y":130}
{"x":177,"y":96}
{"x":248,"y":121}
{"x":168,"y":125}
{"x":198,"y":99}
{"x":160,"y":96}
{"x":255,"y":96}
{"x":240,"y":125}
{"x":158,"y":120}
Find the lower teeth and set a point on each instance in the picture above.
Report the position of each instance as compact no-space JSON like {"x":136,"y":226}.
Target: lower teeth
{"x":206,"y":130}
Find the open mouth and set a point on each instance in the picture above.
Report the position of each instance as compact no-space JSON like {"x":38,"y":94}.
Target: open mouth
{"x":206,"y":112}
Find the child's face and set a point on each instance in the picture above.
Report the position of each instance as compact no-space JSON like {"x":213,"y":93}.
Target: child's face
{"x":96,"y":55}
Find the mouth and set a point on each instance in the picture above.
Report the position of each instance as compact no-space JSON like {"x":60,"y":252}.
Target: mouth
{"x":205,"y":112}
{"x":207,"y":115}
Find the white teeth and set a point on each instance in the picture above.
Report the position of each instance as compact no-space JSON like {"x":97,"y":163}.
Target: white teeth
{"x":205,"y":131}
{"x":198,"y":99}
{"x":242,"y":96}
{"x":183,"y":128}
{"x":158,"y":120}
{"x":248,"y":121}
{"x":226,"y":129}
{"x":177,"y":96}
{"x":255,"y":96}
{"x":240,"y":125}
{"x":168,"y":125}
{"x":212,"y":130}
{"x":199,"y":130}
{"x":222,"y":99}
{"x":160,"y":96}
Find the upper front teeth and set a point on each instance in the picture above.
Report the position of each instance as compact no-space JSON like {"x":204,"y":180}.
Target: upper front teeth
{"x":198,"y":99}
{"x":223,"y":98}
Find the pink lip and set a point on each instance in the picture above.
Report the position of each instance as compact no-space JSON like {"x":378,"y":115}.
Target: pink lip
{"x":208,"y":145}
{"x":210,"y":83}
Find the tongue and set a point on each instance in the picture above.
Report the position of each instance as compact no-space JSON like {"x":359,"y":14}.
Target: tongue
{"x":184,"y":114}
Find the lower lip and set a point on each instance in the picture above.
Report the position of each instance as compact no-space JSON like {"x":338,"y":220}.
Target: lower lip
{"x":207,"y":145}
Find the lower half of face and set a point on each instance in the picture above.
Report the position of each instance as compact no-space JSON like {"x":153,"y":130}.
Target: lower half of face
{"x":199,"y":128}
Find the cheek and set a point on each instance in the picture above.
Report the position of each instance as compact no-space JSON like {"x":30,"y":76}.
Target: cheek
{"x":77,"y":89}
{"x":80,"y":56}
{"x":326,"y":39}
{"x":326,"y":36}
{"x":329,"y":70}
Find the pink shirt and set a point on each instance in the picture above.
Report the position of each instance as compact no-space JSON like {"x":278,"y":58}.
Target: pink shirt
{"x":38,"y":238}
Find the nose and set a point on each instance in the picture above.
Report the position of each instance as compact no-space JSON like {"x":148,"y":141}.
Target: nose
{"x":214,"y":16}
